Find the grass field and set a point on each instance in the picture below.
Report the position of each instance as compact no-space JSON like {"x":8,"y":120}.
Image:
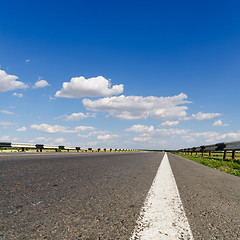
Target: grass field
{"x":216,"y":155}
{"x":216,"y":161}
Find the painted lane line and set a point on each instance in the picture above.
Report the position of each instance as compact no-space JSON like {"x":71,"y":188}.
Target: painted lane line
{"x":162,"y":216}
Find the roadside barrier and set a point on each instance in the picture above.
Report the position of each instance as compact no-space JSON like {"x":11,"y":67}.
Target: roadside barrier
{"x":41,"y":147}
{"x":223,"y":147}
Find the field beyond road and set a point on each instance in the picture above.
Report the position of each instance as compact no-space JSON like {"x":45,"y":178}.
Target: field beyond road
{"x":228,"y":165}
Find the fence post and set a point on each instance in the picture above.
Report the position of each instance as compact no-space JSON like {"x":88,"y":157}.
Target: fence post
{"x":225,"y":154}
{"x":210,"y":153}
{"x":233,"y":154}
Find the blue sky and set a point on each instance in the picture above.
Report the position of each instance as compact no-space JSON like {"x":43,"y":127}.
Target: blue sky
{"x":138,"y":74}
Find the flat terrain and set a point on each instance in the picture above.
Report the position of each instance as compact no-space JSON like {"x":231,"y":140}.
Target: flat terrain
{"x":100,"y":195}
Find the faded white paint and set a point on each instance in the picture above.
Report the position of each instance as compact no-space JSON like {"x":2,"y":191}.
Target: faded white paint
{"x":162,"y":216}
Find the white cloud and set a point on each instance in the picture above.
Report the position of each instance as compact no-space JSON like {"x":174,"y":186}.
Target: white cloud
{"x":41,"y":84}
{"x":22,"y":129}
{"x":77,"y":116}
{"x":18,"y":95}
{"x":160,"y":136}
{"x":83,"y":128}
{"x":140,"y":128}
{"x":83,"y":135}
{"x":6,"y":112}
{"x":27,"y":60}
{"x":231,"y":136}
{"x":169,"y":123}
{"x":202,"y":116}
{"x":94,"y":133}
{"x":80,"y":87}
{"x":142,"y":139}
{"x":171,"y":131}
{"x":46,"y":128}
{"x":137,"y":107}
{"x":8,"y":82}
{"x":219,"y":123}
{"x":208,"y":137}
{"x":106,"y":137}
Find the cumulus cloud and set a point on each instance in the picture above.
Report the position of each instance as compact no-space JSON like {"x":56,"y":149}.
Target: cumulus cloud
{"x":83,"y":135}
{"x":93,"y":133}
{"x":106,"y":137}
{"x":208,"y":137}
{"x":41,"y":84}
{"x":211,"y":137}
{"x":160,"y":135}
{"x":83,"y":128}
{"x":171,"y":131}
{"x":137,"y":107}
{"x":202,"y":116}
{"x":219,"y":123}
{"x":140,"y":128}
{"x":231,"y":136}
{"x":6,"y":112}
{"x":18,"y":95}
{"x":9,"y":82}
{"x":46,"y":128}
{"x":77,"y":116}
{"x":22,"y":129}
{"x":164,"y":138}
{"x":169,"y":123}
{"x":80,"y":87}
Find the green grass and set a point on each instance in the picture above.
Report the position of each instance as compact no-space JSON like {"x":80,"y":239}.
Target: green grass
{"x":228,"y":166}
{"x":219,"y":155}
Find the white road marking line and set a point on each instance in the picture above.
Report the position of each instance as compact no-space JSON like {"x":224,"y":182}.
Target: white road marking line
{"x":162,"y":216}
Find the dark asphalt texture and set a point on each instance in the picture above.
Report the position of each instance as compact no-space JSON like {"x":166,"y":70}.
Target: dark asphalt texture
{"x":211,"y":199}
{"x":100,"y":195}
{"x":73,"y":195}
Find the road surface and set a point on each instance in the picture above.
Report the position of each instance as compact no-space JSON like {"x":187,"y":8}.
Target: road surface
{"x":102,"y":195}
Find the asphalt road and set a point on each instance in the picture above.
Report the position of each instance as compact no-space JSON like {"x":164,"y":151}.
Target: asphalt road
{"x":99,"y":195}
{"x":211,"y":199}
